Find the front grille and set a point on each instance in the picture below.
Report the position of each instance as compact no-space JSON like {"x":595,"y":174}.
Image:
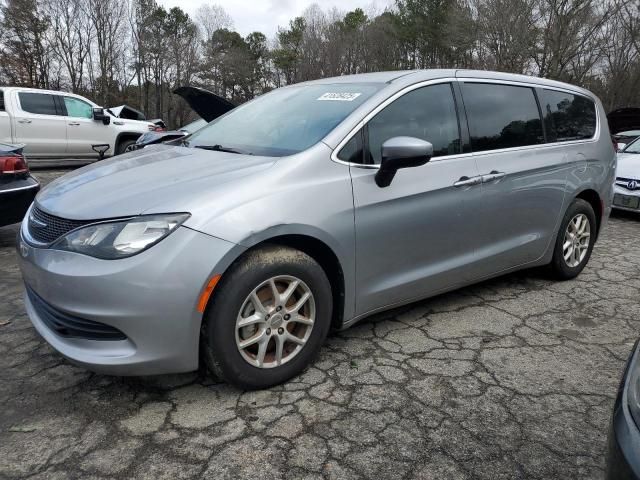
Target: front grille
{"x":68,"y":326}
{"x":46,"y":228}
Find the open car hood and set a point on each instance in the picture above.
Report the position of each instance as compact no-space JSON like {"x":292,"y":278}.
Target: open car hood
{"x":205,"y":103}
{"x":127,"y":112}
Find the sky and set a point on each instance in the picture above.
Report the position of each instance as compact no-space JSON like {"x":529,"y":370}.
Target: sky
{"x":266,"y":15}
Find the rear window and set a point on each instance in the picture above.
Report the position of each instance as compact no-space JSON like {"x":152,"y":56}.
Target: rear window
{"x":501,"y":116}
{"x":567,"y":116}
{"x":40,"y":103}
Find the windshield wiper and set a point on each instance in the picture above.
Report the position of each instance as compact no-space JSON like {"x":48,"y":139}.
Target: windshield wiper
{"x":220,"y":148}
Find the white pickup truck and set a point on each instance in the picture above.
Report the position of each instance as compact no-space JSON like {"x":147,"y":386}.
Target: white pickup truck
{"x":62,"y":125}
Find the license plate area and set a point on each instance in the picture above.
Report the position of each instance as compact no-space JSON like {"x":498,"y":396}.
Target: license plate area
{"x":626,"y":201}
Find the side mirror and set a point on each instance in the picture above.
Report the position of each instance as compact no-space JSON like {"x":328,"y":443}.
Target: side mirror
{"x":401,"y":152}
{"x":100,"y":116}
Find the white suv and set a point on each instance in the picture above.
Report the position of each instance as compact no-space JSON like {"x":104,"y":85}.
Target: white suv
{"x":57,"y":124}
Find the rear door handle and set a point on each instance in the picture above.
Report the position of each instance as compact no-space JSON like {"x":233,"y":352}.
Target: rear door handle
{"x":468,"y":181}
{"x":24,"y":120}
{"x":493,"y":176}
{"x":74,"y":124}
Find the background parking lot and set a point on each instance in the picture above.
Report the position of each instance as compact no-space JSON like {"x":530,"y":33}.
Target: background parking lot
{"x":512,"y":378}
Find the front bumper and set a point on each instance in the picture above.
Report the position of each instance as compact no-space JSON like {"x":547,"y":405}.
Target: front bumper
{"x":15,"y":198}
{"x":623,"y":455}
{"x":151,"y":297}
{"x":618,"y":190}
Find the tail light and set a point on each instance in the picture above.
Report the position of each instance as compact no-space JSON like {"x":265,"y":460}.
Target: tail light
{"x":13,"y":164}
{"x":158,"y":128}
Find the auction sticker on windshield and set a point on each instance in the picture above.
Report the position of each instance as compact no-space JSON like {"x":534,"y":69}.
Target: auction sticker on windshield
{"x":339,"y":96}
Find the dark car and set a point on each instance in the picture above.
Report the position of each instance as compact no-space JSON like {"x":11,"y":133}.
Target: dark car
{"x":623,"y":456}
{"x":17,"y":187}
{"x":206,"y":104}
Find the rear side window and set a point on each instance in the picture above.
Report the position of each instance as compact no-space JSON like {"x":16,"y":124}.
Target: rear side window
{"x":567,"y":116}
{"x":428,"y":113}
{"x":40,"y":103}
{"x":501,"y":116}
{"x":1,"y":101}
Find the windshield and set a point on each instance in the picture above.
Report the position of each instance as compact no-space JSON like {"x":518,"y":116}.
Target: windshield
{"x":633,"y":147}
{"x":195,"y":125}
{"x":285,"y":121}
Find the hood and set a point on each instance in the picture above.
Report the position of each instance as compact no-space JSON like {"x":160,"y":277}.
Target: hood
{"x":149,"y":138}
{"x":628,"y":165}
{"x":205,"y":103}
{"x":134,"y":183}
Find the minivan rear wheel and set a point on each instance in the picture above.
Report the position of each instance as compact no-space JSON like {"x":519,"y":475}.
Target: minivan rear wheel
{"x":575,"y":240}
{"x":267,"y":318}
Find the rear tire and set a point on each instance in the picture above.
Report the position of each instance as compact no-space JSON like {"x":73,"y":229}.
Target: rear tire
{"x":575,"y":240}
{"x":245,"y":296}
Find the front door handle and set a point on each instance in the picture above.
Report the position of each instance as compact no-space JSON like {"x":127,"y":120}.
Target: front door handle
{"x":493,"y":176}
{"x":468,"y":181}
{"x":74,"y":124}
{"x":24,"y":120}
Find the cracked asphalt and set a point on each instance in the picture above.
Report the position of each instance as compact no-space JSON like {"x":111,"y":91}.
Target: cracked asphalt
{"x":512,"y":378}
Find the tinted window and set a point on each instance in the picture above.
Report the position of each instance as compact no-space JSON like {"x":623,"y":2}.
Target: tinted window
{"x":1,"y":101}
{"x":501,"y":116}
{"x":37,"y":103}
{"x":78,"y":108}
{"x":568,"y":117}
{"x":352,"y":151}
{"x":285,"y":121}
{"x":428,"y":113}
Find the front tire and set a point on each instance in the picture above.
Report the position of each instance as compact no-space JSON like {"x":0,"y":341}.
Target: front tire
{"x":126,"y":146}
{"x":267,"y":318}
{"x":575,"y":240}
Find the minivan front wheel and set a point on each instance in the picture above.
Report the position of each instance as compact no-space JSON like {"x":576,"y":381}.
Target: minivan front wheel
{"x":267,"y":319}
{"x":575,"y":240}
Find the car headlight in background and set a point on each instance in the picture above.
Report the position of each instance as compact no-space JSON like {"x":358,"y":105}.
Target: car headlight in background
{"x":120,"y":238}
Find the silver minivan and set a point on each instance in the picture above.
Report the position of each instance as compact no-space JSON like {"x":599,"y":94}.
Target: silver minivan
{"x":309,"y":208}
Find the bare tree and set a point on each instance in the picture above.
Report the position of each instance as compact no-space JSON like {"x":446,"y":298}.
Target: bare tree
{"x":211,"y":18}
{"x":72,"y":36}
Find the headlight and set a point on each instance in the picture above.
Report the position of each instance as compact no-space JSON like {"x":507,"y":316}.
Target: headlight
{"x":122,"y":238}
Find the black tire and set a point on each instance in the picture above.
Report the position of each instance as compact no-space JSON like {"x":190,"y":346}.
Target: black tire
{"x":559,"y":266}
{"x":123,"y":145}
{"x":218,"y":333}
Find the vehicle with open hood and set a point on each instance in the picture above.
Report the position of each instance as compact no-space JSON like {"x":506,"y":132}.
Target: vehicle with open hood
{"x":207,"y":105}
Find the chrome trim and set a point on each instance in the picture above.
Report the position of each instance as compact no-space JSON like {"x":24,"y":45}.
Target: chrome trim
{"x":17,"y":189}
{"x":595,"y":138}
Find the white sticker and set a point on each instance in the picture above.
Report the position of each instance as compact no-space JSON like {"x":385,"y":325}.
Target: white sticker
{"x":339,"y":96}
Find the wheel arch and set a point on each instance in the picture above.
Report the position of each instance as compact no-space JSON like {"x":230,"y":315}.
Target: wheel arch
{"x":326,"y":258}
{"x":123,"y":136}
{"x":593,"y":198}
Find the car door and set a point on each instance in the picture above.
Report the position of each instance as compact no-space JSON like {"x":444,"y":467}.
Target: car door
{"x":82,"y":130}
{"x":40,"y":125}
{"x":416,"y":236}
{"x":523,"y":180}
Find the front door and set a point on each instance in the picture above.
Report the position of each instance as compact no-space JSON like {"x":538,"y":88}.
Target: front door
{"x":82,"y":130}
{"x":416,"y":236}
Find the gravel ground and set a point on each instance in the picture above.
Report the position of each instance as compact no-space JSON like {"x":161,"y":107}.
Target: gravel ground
{"x":512,"y":378}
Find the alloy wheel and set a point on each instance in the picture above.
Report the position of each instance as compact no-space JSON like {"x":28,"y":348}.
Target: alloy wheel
{"x":576,"y":240}
{"x":275,"y":321}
